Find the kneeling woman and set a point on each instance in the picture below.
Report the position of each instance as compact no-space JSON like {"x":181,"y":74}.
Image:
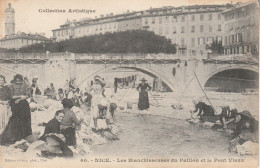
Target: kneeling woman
{"x":19,"y":125}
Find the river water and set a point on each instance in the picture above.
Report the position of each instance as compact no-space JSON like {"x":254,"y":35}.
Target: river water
{"x":155,"y":136}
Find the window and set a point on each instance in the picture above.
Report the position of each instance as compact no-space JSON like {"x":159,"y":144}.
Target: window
{"x":219,"y":39}
{"x":146,"y":21}
{"x":166,"y":19}
{"x":182,"y":29}
{"x":210,"y":40}
{"x":232,"y":39}
{"x":201,"y":28}
{"x":201,"y":52}
{"x":219,"y":27}
{"x":193,"y":42}
{"x":153,"y":20}
{"x":174,"y":19}
{"x":183,"y":18}
{"x":166,"y":30}
{"x":192,"y":29}
{"x":210,"y":29}
{"x":182,"y":41}
{"x":160,"y":19}
{"x":174,"y":30}
{"x":201,"y":40}
{"x":192,"y":17}
{"x":201,"y":17}
{"x":210,"y":16}
{"x":219,"y":16}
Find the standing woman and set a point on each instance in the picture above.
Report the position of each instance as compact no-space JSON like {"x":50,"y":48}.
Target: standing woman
{"x":19,"y":125}
{"x":143,"y":89}
{"x":98,"y":100}
{"x":5,"y":96}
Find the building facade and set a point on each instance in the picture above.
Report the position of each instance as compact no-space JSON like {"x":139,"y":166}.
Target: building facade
{"x":19,"y":40}
{"x":241,"y":29}
{"x":191,"y":28}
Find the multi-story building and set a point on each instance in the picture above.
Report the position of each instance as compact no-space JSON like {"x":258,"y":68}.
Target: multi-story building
{"x":241,"y":29}
{"x":19,"y":40}
{"x":16,"y":41}
{"x":103,"y":24}
{"x":190,"y":27}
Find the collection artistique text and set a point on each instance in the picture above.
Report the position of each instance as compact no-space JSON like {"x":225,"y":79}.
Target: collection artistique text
{"x":66,"y":11}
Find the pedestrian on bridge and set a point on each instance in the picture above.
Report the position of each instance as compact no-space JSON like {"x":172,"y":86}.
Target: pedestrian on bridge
{"x":143,"y":89}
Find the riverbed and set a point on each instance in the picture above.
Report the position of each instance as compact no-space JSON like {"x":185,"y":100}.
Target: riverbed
{"x":156,"y":136}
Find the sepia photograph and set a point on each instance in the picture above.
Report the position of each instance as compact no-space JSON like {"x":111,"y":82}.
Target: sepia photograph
{"x":129,"y":83}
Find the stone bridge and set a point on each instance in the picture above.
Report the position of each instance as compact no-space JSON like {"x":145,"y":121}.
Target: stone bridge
{"x":175,"y":72}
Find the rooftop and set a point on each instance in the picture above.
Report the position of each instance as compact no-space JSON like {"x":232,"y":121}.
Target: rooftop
{"x":25,"y":36}
{"x":241,"y":5}
{"x":111,"y":16}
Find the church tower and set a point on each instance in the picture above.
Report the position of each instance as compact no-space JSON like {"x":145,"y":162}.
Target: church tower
{"x":9,"y":20}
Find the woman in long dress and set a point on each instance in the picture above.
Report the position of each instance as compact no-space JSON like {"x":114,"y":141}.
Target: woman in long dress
{"x":5,"y":96}
{"x":19,"y":125}
{"x":143,"y":89}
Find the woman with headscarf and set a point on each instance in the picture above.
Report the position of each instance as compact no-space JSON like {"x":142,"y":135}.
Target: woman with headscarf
{"x":143,"y":89}
{"x":19,"y":125}
{"x":5,"y":96}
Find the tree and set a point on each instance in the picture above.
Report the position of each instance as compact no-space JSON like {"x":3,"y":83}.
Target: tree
{"x":132,"y":41}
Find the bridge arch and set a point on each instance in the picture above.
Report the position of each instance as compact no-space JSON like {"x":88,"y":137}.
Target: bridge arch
{"x":225,"y":72}
{"x":140,"y":68}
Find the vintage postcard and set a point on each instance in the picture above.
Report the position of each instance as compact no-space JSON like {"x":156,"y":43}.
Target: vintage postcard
{"x":129,"y":83}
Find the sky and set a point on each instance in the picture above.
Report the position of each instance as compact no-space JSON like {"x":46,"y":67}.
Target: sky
{"x":28,"y":19}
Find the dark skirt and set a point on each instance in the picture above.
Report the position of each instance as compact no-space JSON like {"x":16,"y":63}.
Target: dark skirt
{"x":143,"y":100}
{"x":19,"y":125}
{"x":66,"y":151}
{"x":70,"y":135}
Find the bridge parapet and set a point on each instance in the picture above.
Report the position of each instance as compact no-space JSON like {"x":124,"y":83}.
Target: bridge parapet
{"x":90,"y":57}
{"x":235,"y":58}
